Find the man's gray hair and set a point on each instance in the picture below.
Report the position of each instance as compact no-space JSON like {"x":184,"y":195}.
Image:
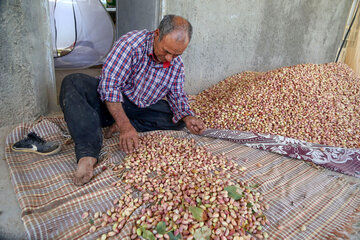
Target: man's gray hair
{"x":168,"y":24}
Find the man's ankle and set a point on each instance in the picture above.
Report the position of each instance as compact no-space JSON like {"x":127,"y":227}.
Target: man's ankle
{"x":87,"y":160}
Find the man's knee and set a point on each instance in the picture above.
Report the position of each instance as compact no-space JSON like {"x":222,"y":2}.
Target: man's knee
{"x":77,"y":80}
{"x":68,"y":83}
{"x":71,"y":87}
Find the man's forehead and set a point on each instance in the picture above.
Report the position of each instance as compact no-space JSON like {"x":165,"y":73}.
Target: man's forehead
{"x":171,"y":51}
{"x":178,"y":36}
{"x":174,"y":47}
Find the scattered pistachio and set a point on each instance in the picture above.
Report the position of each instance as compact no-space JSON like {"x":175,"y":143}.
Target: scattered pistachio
{"x":179,"y":201}
{"x":316,"y":103}
{"x":303,"y":228}
{"x":85,"y":215}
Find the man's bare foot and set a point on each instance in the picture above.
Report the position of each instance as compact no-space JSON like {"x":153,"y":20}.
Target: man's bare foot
{"x":84,"y":171}
{"x":112,"y":129}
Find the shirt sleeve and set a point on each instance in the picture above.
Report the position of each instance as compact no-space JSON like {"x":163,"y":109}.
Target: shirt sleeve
{"x":115,"y":72}
{"x":178,"y":100}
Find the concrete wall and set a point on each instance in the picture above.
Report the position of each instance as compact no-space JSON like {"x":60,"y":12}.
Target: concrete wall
{"x":136,"y":14}
{"x":232,"y":36}
{"x":27,"y":82}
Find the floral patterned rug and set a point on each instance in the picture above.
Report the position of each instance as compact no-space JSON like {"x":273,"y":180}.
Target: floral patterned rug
{"x":342,"y":160}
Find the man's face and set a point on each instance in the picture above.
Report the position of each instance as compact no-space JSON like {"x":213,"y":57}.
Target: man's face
{"x":170,"y":46}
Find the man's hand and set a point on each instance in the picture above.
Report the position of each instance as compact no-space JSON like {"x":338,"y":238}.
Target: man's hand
{"x":128,"y":138}
{"x":195,"y":125}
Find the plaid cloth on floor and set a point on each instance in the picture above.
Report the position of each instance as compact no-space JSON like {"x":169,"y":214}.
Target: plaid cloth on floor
{"x":298,"y":194}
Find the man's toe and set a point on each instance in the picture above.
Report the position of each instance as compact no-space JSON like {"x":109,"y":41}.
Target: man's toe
{"x":78,"y":181}
{"x":86,"y":178}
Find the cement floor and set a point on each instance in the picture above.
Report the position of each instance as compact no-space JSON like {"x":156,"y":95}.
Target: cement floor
{"x":11,"y":225}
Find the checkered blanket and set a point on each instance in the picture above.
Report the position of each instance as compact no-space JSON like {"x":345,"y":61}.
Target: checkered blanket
{"x":298,"y":194}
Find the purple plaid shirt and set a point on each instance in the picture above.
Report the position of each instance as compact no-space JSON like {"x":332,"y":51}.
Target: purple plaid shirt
{"x":130,"y":69}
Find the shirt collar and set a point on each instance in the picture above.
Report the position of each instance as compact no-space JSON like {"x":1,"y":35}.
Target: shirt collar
{"x":150,"y":52}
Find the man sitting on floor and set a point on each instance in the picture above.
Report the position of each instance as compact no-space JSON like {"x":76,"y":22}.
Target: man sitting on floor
{"x":142,"y":68}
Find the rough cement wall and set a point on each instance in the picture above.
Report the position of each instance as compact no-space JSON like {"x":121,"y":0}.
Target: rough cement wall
{"x":136,"y":14}
{"x":27,"y":82}
{"x":238,"y":35}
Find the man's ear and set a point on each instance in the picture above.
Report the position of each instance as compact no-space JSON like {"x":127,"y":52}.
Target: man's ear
{"x":157,"y":35}
{"x":157,"y":32}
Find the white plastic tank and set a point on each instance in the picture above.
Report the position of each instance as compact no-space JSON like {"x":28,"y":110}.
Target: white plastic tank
{"x":82,"y":33}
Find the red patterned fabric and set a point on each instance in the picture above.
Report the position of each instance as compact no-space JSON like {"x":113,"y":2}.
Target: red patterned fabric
{"x":338,"y":159}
